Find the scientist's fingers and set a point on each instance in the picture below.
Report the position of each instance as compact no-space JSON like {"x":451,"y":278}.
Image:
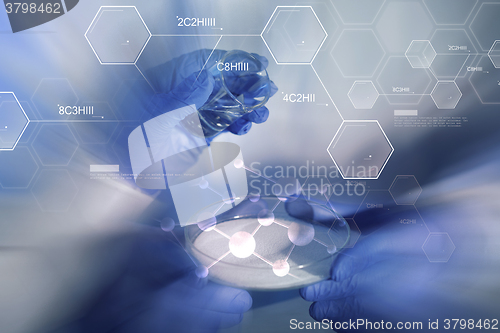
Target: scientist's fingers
{"x":240,"y":127}
{"x":388,"y":243}
{"x":329,"y":290}
{"x":257,"y":116}
{"x":340,"y":310}
{"x":243,"y":125}
{"x":378,"y":275}
{"x":195,"y":89}
{"x":212,"y":297}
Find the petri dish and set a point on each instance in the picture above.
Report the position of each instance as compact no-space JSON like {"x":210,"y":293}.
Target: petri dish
{"x":267,"y":244}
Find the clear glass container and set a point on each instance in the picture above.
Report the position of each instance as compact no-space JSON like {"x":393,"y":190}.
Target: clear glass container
{"x":242,"y":85}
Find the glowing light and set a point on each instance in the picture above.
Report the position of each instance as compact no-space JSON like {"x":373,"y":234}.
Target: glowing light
{"x":300,"y":234}
{"x":167,"y":224}
{"x":242,"y":244}
{"x":203,"y":184}
{"x":281,"y":268}
{"x":238,"y":164}
{"x":331,"y":249}
{"x":201,"y":272}
{"x":265,"y":217}
{"x":254,"y":197}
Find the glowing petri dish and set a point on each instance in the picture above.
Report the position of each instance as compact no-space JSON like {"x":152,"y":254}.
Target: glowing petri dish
{"x":294,"y":248}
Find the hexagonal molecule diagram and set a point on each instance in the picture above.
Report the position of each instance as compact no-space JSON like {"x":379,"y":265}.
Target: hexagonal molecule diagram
{"x":13,"y":121}
{"x":446,"y":94}
{"x":438,"y":247}
{"x":294,"y":34}
{"x":363,"y":94}
{"x":405,"y":190}
{"x":494,"y":54}
{"x":117,"y":35}
{"x":360,"y":149}
{"x":420,"y":54}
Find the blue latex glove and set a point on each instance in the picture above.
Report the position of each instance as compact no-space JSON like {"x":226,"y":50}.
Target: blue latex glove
{"x":185,"y":81}
{"x":386,"y":276}
{"x":156,"y":290}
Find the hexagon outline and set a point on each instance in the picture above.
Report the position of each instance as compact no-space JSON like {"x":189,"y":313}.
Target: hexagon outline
{"x":379,"y":43}
{"x":71,"y":201}
{"x":69,"y":161}
{"x":438,"y":233}
{"x":51,"y":78}
{"x":374,"y":17}
{"x":25,"y":126}
{"x":421,"y":40}
{"x":386,"y":94}
{"x":363,"y":81}
{"x":477,"y":93}
{"x":327,"y":92}
{"x":420,"y":192}
{"x":454,"y":29}
{"x":474,"y":54}
{"x":472,"y":21}
{"x":294,"y":63}
{"x":489,"y":53}
{"x":360,"y":121}
{"x":118,"y":63}
{"x":32,"y":177}
{"x":441,"y":81}
{"x":455,"y":24}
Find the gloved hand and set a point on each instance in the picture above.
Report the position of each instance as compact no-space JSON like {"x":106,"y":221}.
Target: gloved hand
{"x":156,"y":290}
{"x":387,"y":277}
{"x":185,"y":80}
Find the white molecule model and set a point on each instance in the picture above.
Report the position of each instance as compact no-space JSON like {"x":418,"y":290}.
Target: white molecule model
{"x":242,"y":244}
{"x":203,"y":184}
{"x":300,"y":234}
{"x":167,"y":224}
{"x":281,"y":268}
{"x":201,"y":272}
{"x":331,"y":249}
{"x":238,"y":164}
{"x":265,"y":217}
{"x":254,"y":197}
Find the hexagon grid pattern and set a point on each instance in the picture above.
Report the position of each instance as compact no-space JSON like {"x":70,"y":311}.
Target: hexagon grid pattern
{"x":494,"y":54}
{"x":360,"y":149}
{"x":363,"y":94}
{"x":446,"y":95}
{"x":294,"y":34}
{"x":420,"y":54}
{"x":13,"y":121}
{"x":358,"y":53}
{"x":405,"y":190}
{"x":438,"y":247}
{"x":117,"y":35}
